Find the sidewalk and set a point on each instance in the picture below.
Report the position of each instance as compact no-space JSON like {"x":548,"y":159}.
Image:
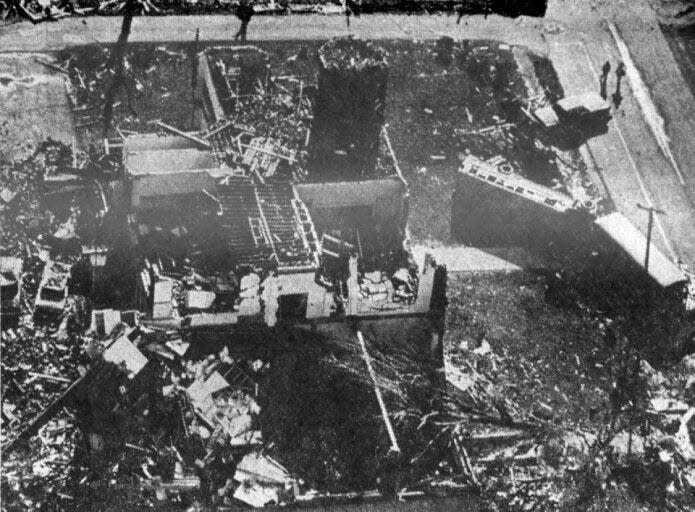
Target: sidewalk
{"x":628,"y":158}
{"x":22,"y":37}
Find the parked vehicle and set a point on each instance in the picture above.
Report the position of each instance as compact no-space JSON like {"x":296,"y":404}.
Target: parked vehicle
{"x":577,"y":109}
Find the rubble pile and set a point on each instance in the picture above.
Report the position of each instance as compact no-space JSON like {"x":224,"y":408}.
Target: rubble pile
{"x":348,"y":53}
{"x":282,"y":117}
{"x":38,"y":364}
{"x":41,"y":355}
{"x":22,"y":216}
{"x":183,"y":431}
{"x":525,"y":456}
{"x":203,"y":444}
{"x":282,"y":114}
{"x":217,"y":430}
{"x":498,"y":115}
{"x":148,"y":92}
{"x":574,"y":423}
{"x":39,"y":478}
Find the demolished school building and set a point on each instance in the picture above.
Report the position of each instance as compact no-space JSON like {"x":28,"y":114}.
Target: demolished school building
{"x":229,"y":226}
{"x":241,"y":258}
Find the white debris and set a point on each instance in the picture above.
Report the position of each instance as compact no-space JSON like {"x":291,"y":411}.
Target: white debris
{"x":483,"y":349}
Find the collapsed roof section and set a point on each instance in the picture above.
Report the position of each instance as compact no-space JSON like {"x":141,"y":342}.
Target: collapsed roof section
{"x":494,"y":208}
{"x":178,"y":197}
{"x":277,"y":117}
{"x":277,"y":221}
{"x":246,"y":223}
{"x":517,"y":185}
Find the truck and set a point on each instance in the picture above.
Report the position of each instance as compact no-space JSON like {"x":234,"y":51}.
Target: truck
{"x":584,"y":110}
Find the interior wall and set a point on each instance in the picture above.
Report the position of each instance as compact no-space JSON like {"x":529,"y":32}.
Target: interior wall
{"x":158,"y":185}
{"x":319,"y":300}
{"x":386,"y":197}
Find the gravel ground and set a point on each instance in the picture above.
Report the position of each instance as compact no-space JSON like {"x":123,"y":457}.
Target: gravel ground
{"x":542,"y":353}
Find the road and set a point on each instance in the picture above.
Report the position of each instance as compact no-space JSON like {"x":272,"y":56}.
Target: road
{"x":574,"y":34}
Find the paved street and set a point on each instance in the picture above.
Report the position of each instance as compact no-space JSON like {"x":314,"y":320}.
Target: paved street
{"x":629,"y":160}
{"x":574,"y":35}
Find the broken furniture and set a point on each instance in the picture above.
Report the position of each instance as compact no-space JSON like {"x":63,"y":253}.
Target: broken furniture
{"x":224,"y":409}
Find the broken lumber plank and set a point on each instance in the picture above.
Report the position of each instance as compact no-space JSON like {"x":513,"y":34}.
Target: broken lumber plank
{"x":392,"y":153}
{"x":49,"y":377}
{"x":377,"y":392}
{"x":44,"y":417}
{"x":480,"y":131}
{"x":465,"y":461}
{"x":500,"y":435}
{"x":268,"y":152}
{"x":50,"y":65}
{"x":188,"y":136}
{"x":226,"y":125}
{"x":526,"y":458}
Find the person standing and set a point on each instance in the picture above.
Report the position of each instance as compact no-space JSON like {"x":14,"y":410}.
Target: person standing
{"x":244,"y":11}
{"x":619,"y":74}
{"x":351,"y":8}
{"x":605,"y":70}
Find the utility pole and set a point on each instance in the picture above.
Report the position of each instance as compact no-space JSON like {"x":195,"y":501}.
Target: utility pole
{"x":651,"y":211}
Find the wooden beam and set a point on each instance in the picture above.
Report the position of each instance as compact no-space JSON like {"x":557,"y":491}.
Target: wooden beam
{"x":44,"y":417}
{"x":224,"y":127}
{"x":466,"y":461}
{"x":183,"y":134}
{"x":377,"y":392}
